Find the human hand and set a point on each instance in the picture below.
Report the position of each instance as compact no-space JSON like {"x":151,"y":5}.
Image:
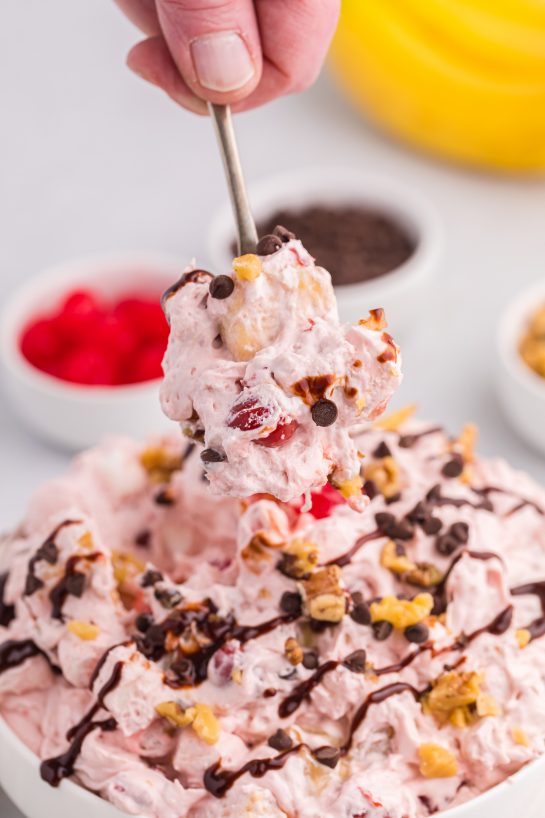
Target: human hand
{"x":238,"y":52}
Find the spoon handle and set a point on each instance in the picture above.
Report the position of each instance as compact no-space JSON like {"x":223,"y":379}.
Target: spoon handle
{"x":246,"y":229}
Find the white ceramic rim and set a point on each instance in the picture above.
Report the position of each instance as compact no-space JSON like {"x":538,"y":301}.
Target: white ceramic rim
{"x":14,"y":314}
{"x":335,"y":185}
{"x":510,"y":332}
{"x":78,"y":791}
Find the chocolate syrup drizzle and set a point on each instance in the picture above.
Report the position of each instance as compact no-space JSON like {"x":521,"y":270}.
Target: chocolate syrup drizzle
{"x":346,"y":559}
{"x":408,"y":441}
{"x":47,"y":552}
{"x":523,"y":501}
{"x":191,"y":669}
{"x":536,"y":628}
{"x":53,"y":770}
{"x":72,"y":583}
{"x":14,"y":652}
{"x":7,"y":612}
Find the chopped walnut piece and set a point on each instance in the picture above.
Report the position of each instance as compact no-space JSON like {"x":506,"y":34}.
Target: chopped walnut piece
{"x":160,"y":463}
{"x":200,"y":717}
{"x":437,"y":761}
{"x":394,"y":558}
{"x":293,"y":651}
{"x":385,"y":475}
{"x":259,"y":549}
{"x":83,"y":630}
{"x":376,"y":320}
{"x":392,"y":422}
{"x":424,"y":575}
{"x":299,"y":558}
{"x":247,"y":267}
{"x":457,"y":698}
{"x":524,"y":637}
{"x":402,"y":613}
{"x":324,"y":598}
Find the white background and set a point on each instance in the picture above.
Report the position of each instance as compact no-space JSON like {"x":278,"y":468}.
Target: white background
{"x":92,"y":160}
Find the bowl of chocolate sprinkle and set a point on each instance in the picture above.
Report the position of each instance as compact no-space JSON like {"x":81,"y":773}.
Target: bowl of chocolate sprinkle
{"x":380,"y":241}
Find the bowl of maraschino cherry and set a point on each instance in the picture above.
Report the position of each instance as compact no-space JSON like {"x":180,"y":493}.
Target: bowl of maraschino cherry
{"x":81,"y":347}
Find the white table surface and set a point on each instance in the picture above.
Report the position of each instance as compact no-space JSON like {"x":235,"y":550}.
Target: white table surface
{"x":92,"y":160}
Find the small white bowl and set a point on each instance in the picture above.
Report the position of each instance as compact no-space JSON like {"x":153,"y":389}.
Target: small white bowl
{"x":521,"y":390}
{"x":402,"y":291}
{"x":71,"y":415}
{"x":521,"y":794}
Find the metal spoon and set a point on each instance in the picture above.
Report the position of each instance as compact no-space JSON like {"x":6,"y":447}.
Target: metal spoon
{"x":246,"y":229}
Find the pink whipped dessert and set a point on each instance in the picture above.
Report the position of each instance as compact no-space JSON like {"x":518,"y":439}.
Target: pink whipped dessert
{"x":259,"y":368}
{"x":183,"y":654}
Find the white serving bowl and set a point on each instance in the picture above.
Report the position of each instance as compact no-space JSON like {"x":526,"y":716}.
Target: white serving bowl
{"x":401,"y":292}
{"x":71,"y":415}
{"x":522,"y":794}
{"x":521,"y":390}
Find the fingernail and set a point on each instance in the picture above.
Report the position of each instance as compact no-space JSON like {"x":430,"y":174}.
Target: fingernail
{"x":222,"y":61}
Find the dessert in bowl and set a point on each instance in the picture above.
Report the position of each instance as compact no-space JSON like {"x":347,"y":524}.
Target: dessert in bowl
{"x":187,"y":652}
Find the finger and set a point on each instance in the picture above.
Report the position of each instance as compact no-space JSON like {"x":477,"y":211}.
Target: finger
{"x":215,"y":45}
{"x":142,"y":13}
{"x":151,"y":60}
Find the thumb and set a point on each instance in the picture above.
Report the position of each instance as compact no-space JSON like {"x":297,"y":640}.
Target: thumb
{"x":215,"y":46}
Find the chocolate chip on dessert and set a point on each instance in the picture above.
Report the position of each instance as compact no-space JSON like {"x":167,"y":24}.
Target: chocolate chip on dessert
{"x":406,"y":441}
{"x":221,"y":287}
{"x":396,"y":529}
{"x":143,"y":538}
{"x":382,"y":450}
{"x":385,"y":521}
{"x":324,"y":412}
{"x":168,"y":597}
{"x":360,"y":613}
{"x":268,"y":245}
{"x":356,"y":661}
{"x":394,"y":498}
{"x":291,"y":602}
{"x":434,"y":494}
{"x":151,"y":577}
{"x":75,"y":584}
{"x":460,"y":532}
{"x":283,"y":233}
{"x":382,"y":630}
{"x":419,"y":514}
{"x":370,"y":489}
{"x":310,"y":660}
{"x":432,"y":526}
{"x":164,"y":497}
{"x":453,"y":468}
{"x":328,"y":756}
{"x":280,"y":741}
{"x":446,"y":544}
{"x":417,"y":633}
{"x":143,"y":622}
{"x":212,"y":456}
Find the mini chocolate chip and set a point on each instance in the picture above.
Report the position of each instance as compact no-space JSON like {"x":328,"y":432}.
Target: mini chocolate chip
{"x":143,"y":622}
{"x":291,"y":602}
{"x":453,"y":468}
{"x":370,"y":489}
{"x":32,"y":585}
{"x":324,"y":412}
{"x":328,"y":756}
{"x":385,"y":521}
{"x":212,"y":456}
{"x":388,"y":525}
{"x":283,"y":233}
{"x":419,"y":514}
{"x":382,"y":450}
{"x":48,"y":552}
{"x":183,"y":670}
{"x":143,"y":539}
{"x":310,"y":660}
{"x":361,"y":614}
{"x":460,"y":532}
{"x":280,"y":741}
{"x":403,"y":530}
{"x":382,"y":630}
{"x":446,"y":545}
{"x":434,"y":493}
{"x":221,"y":287}
{"x":75,"y":584}
{"x":150,"y":578}
{"x":268,"y":245}
{"x":416,"y":633}
{"x":395,"y":498}
{"x":406,"y":441}
{"x":432,"y":526}
{"x":168,"y":597}
{"x":356,"y":661}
